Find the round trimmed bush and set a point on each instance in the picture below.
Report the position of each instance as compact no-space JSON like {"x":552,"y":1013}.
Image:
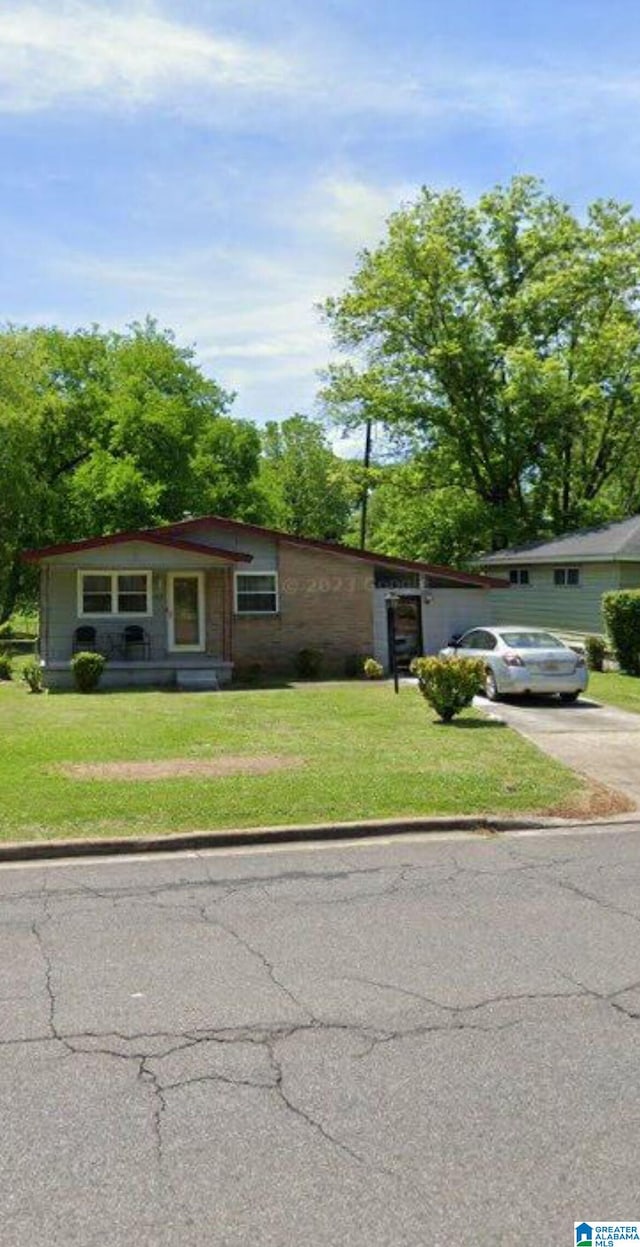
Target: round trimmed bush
{"x":449,"y":685}
{"x":308,"y":664}
{"x":32,"y":675}
{"x":87,"y":668}
{"x":595,"y":649}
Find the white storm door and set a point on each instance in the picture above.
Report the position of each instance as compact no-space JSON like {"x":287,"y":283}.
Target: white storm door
{"x":185,"y":611}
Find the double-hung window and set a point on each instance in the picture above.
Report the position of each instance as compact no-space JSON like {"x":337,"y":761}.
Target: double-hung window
{"x":256,"y":593}
{"x":114,"y":593}
{"x":519,"y":575}
{"x":566,"y":577}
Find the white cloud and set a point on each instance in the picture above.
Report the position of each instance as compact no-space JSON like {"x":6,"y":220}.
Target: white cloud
{"x":252,"y":315}
{"x":51,"y":54}
{"x":350,"y":209}
{"x":129,"y":53}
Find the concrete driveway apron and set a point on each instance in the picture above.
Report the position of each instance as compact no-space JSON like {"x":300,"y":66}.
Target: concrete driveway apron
{"x":601,"y":742}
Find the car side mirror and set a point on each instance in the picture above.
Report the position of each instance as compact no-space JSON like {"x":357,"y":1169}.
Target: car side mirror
{"x":454,"y":642}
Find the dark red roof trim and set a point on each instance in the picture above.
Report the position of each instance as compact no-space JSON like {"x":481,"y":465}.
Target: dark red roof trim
{"x":153,"y":536}
{"x":334,"y":547}
{"x":166,"y":535}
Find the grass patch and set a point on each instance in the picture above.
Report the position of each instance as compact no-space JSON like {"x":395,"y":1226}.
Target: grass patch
{"x":360,"y":752}
{"x":616,"y":689}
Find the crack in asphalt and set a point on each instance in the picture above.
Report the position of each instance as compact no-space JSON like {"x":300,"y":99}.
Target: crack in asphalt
{"x":144,"y":1048}
{"x":261,"y":957}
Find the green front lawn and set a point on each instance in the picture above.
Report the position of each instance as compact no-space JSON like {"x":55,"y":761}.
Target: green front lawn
{"x":364,"y":753}
{"x":616,"y":689}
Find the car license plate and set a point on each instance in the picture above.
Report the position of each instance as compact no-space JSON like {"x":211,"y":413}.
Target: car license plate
{"x":551,"y":666}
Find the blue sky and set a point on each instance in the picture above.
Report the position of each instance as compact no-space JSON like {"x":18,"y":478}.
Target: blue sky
{"x":219,"y":164}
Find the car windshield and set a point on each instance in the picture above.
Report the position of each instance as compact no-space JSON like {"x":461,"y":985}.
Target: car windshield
{"x":531,"y":640}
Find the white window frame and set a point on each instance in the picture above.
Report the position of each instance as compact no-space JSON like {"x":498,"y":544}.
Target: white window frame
{"x":565,"y":584}
{"x":519,"y":582}
{"x":202,"y":624}
{"x":276,"y":590}
{"x":114,"y":613}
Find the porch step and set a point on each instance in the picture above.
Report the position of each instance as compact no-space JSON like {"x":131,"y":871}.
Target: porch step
{"x":195,"y":680}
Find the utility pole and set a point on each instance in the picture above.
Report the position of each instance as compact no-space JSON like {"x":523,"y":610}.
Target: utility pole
{"x":365,"y":489}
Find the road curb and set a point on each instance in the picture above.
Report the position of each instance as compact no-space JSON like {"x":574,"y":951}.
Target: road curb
{"x":33,"y":850}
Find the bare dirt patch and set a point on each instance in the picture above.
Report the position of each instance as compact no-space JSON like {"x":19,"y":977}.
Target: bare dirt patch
{"x":182,"y":768}
{"x":595,"y":801}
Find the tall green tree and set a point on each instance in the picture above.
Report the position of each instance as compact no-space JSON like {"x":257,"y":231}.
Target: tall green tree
{"x":504,"y":338}
{"x":308,"y":489}
{"x":102,"y":431}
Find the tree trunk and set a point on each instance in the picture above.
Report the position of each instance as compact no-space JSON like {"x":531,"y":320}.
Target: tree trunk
{"x":12,"y":588}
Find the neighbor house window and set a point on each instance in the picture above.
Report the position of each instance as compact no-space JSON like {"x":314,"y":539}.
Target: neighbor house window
{"x":566,"y":576}
{"x":256,"y":593}
{"x":114,"y":593}
{"x":519,"y":575}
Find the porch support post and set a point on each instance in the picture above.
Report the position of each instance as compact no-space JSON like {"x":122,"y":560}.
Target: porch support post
{"x":227,"y":615}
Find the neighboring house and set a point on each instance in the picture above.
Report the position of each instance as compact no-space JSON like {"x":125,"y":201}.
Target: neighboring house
{"x":560,"y":583}
{"x":191,"y":602}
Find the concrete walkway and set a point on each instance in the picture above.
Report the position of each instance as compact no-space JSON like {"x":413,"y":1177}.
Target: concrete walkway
{"x":599,"y":741}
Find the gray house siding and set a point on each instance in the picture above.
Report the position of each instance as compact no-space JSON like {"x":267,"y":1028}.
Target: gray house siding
{"x":629,"y":575}
{"x":61,"y":616}
{"x":572,"y":609}
{"x":263,"y":550}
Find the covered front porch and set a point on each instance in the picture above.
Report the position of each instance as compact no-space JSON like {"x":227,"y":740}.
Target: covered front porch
{"x":157,"y":623}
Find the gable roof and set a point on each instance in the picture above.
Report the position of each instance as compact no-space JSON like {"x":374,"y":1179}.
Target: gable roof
{"x":177,"y":535}
{"x":335,"y":547}
{"x":151,"y":536}
{"x":619,"y":541}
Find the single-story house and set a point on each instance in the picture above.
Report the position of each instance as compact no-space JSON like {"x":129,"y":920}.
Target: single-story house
{"x":189,"y":603}
{"x":559,"y":583}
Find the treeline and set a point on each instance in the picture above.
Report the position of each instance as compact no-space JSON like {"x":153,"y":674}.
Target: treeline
{"x":498,"y":345}
{"x":497,"y":356}
{"x":104,"y":431}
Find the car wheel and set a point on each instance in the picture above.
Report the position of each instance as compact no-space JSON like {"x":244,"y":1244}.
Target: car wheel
{"x":569,"y":696}
{"x":490,"y":686}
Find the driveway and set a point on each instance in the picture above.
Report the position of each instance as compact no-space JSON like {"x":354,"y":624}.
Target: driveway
{"x":433,"y":1041}
{"x":598,"y":741}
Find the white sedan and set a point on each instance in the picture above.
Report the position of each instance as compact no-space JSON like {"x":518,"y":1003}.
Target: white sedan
{"x":522,"y":660}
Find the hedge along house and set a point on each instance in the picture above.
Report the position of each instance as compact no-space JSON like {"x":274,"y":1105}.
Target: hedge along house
{"x":188,"y":604}
{"x":559,"y":583}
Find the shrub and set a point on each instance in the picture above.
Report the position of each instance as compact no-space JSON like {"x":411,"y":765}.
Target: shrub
{"x":87,"y":668}
{"x":448,"y":684}
{"x":32,"y":675}
{"x":5,"y":666}
{"x":308,"y":664}
{"x":373,"y":669}
{"x":6,"y":631}
{"x":595,"y":649}
{"x":250,"y":673}
{"x":621,"y":611}
{"x":353,"y":666}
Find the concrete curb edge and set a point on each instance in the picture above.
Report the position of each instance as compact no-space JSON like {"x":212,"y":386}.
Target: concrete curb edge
{"x":33,"y":850}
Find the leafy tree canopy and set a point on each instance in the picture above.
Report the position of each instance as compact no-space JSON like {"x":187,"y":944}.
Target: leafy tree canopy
{"x":102,"y":431}
{"x":503,"y":337}
{"x":308,"y":489}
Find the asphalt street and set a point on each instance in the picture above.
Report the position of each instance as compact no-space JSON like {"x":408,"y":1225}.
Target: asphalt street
{"x":434,"y":1040}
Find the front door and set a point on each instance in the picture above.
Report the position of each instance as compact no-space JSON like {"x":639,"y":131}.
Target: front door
{"x":185,"y":611}
{"x":405,"y":629}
